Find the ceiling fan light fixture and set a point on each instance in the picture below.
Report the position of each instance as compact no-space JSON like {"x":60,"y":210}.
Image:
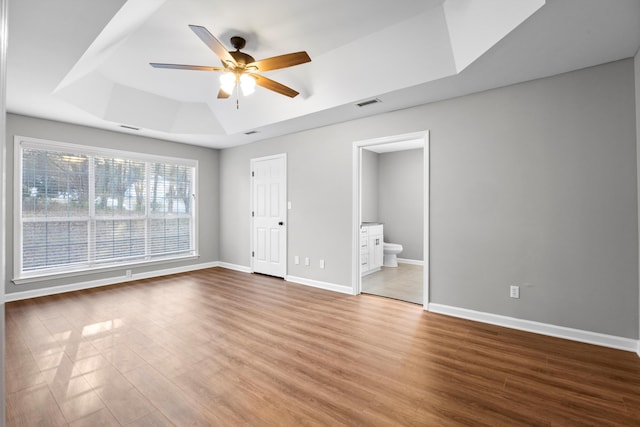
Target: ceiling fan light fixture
{"x":227,"y":82}
{"x":239,"y":68}
{"x":248,"y":84}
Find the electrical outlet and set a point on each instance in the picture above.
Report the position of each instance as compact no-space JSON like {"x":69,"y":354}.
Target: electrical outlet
{"x":321,"y":263}
{"x":128,"y":273}
{"x":514,"y":291}
{"x":307,"y":262}
{"x":296,"y":260}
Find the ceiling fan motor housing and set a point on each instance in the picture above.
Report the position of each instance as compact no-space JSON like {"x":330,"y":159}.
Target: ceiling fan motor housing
{"x":238,"y":42}
{"x":241,"y":57}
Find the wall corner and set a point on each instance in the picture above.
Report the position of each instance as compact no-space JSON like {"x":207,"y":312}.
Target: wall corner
{"x":636,"y":68}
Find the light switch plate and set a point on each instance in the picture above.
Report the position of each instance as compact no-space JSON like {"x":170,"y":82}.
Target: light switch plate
{"x":514,"y":291}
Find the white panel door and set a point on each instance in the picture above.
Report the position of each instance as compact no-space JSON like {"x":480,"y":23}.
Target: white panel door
{"x":269,"y":214}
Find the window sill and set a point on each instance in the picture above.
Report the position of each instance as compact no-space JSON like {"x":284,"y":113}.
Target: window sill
{"x":96,"y":270}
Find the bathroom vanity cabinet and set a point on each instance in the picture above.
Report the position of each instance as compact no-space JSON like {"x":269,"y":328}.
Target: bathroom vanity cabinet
{"x":371,"y":248}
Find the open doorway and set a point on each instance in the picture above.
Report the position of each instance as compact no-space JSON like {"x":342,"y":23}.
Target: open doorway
{"x":390,"y":222}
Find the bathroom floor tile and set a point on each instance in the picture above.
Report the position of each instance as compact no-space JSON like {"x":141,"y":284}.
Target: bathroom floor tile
{"x":403,"y":282}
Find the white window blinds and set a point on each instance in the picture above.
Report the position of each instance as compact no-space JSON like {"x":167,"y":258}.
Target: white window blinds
{"x":84,"y":208}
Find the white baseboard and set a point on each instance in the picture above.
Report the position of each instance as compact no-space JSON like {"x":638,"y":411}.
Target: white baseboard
{"x":410,"y":261}
{"x":321,"y":285}
{"x":234,"y":267}
{"x":16,"y":296}
{"x":596,"y":338}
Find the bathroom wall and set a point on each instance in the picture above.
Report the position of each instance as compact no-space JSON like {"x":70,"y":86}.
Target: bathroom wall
{"x":401,"y":200}
{"x":369,"y":186}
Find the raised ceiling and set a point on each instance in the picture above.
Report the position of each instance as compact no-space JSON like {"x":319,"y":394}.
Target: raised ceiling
{"x":87,"y":62}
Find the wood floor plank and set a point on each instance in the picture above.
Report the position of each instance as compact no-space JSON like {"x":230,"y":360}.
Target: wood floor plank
{"x":219,"y":347}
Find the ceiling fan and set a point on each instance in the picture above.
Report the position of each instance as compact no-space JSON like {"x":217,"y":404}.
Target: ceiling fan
{"x":240,"y":68}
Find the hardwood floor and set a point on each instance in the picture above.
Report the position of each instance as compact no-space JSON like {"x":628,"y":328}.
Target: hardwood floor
{"x":218,"y":347}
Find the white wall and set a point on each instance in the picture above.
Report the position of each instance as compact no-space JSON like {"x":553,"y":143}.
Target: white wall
{"x":208,"y":184}
{"x":532,"y":184}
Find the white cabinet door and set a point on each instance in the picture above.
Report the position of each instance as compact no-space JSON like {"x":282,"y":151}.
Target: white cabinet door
{"x":371,"y":248}
{"x":375,"y":251}
{"x":364,"y":250}
{"x":378,"y":252}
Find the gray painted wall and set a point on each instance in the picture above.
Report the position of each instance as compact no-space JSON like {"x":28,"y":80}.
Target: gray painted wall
{"x":401,"y":200}
{"x":637,"y":81}
{"x":319,"y":188}
{"x":369,"y":186}
{"x":531,"y":184}
{"x":208,"y":184}
{"x":3,"y":116}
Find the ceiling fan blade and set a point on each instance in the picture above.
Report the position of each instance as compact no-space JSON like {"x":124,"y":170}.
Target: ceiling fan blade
{"x":223,"y":95}
{"x":214,"y":44}
{"x":274,"y":86}
{"x":186,"y":67}
{"x":282,"y":61}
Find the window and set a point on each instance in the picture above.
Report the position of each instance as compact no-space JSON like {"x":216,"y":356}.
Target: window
{"x":83,"y":208}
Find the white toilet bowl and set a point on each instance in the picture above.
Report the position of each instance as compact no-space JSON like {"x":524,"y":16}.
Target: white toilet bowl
{"x":391,"y":250}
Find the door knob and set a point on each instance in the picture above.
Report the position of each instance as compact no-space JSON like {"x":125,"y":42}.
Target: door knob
{"x":281,"y":223}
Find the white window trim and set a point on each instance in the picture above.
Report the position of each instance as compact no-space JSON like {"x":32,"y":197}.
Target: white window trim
{"x":54,"y":273}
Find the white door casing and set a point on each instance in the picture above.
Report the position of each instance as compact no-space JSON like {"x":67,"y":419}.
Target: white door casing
{"x":357,"y":205}
{"x":269,"y":215}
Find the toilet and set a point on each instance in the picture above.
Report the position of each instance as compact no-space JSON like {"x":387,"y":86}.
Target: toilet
{"x":391,"y":250}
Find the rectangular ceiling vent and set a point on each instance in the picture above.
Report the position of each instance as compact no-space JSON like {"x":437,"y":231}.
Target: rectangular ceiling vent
{"x":369,"y":102}
{"x":251,"y":132}
{"x":129,"y":127}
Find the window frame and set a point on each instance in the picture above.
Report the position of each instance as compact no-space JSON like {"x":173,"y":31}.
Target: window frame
{"x":94,"y":266}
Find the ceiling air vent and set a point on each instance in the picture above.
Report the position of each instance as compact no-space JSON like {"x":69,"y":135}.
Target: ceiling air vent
{"x":251,"y":132}
{"x":129,"y":127}
{"x":369,"y":102}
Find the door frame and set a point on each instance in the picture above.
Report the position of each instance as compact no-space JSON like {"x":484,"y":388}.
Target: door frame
{"x":357,"y":206}
{"x":286,"y":211}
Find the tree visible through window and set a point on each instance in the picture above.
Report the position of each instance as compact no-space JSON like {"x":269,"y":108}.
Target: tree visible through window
{"x":81,"y":208}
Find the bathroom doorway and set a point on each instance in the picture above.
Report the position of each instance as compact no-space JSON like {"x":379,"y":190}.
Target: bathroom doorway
{"x":391,"y":195}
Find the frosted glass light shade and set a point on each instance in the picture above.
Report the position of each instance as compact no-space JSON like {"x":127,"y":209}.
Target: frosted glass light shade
{"x":248,"y":84}
{"x":227,"y":82}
